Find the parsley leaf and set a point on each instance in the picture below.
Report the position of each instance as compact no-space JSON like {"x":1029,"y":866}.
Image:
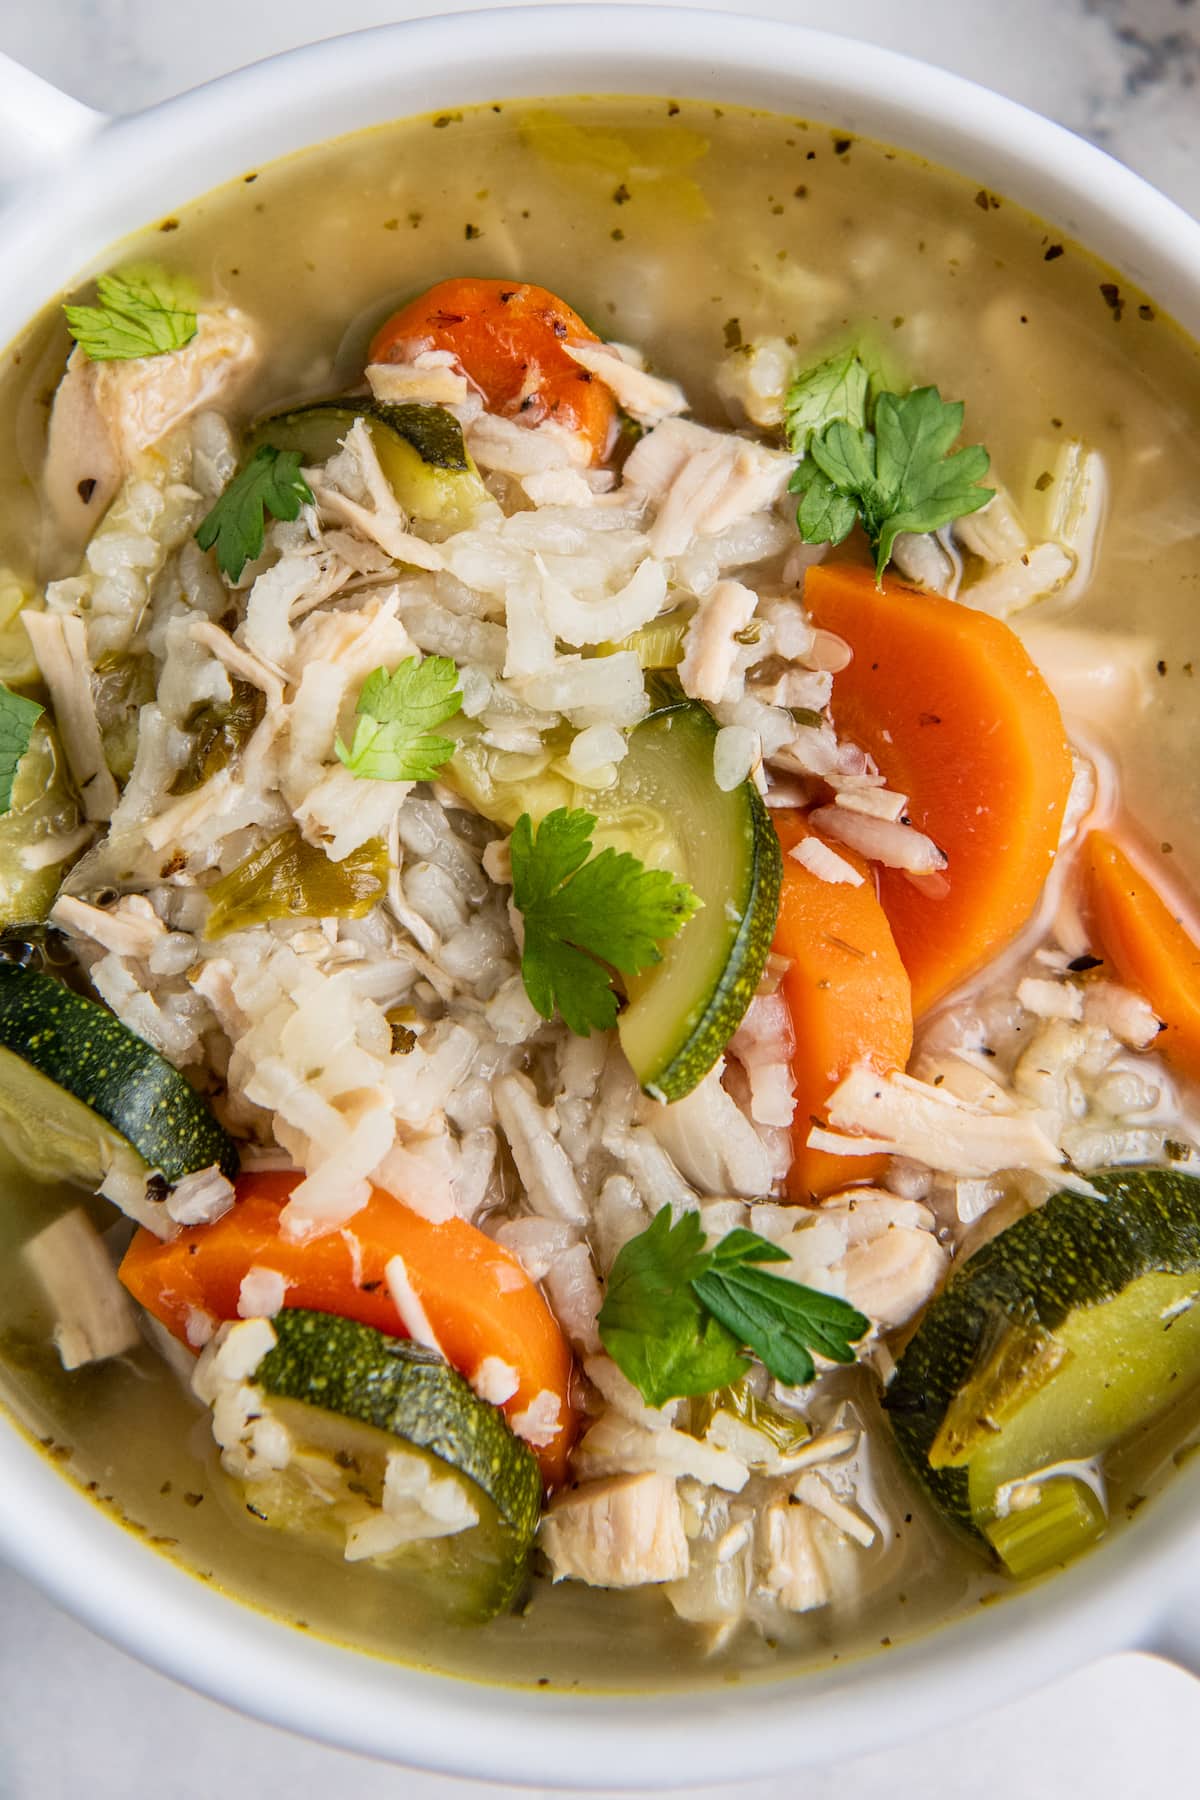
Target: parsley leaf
{"x":900,"y":476}
{"x":396,"y":713}
{"x":780,"y":1320}
{"x":141,"y":311}
{"x":667,"y":1294}
{"x":582,"y":912}
{"x":835,"y":388}
{"x":270,"y":482}
{"x":652,"y":1324}
{"x":18,"y":716}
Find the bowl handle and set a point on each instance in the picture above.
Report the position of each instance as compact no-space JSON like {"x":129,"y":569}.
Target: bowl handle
{"x":38,"y":126}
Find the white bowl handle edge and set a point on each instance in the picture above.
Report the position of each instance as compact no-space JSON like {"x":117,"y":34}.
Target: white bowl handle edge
{"x":39,"y":126}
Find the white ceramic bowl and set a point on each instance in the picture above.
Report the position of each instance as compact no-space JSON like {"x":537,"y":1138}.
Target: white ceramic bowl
{"x":77,"y":181}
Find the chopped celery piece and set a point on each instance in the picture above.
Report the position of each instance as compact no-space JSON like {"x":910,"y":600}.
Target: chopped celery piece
{"x":1065,"y":1518}
{"x":1064,"y":496}
{"x":219,"y":735}
{"x":289,"y":879}
{"x":659,"y":645}
{"x":43,"y":810}
{"x":785,"y":1431}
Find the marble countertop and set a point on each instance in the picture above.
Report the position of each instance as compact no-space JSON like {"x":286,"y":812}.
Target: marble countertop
{"x":80,"y":1717}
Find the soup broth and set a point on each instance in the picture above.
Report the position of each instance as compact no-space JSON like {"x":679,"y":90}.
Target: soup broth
{"x":688,"y":230}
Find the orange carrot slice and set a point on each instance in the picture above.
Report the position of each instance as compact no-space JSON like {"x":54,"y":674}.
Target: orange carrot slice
{"x":477,"y":1298}
{"x":957,"y":717}
{"x":848,"y":996}
{"x":1143,"y":935}
{"x":509,"y":337}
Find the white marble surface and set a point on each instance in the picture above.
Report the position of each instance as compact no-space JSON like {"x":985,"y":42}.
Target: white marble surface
{"x":78,"y":1717}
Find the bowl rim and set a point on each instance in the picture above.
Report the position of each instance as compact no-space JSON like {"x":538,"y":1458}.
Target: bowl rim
{"x":130,"y":172}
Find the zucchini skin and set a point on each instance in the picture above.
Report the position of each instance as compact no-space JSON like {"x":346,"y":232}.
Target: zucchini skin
{"x":711,"y":1022}
{"x":411,"y":1393}
{"x":84,"y":1049}
{"x":728,"y":1001}
{"x":1071,"y":1253}
{"x":316,"y":429}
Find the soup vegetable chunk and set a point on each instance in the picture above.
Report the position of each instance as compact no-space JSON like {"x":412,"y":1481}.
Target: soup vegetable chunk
{"x":584,"y":958}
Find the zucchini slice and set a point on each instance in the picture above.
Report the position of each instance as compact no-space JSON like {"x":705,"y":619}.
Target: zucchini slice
{"x":351,"y":1399}
{"x":666,"y":808}
{"x":81,"y":1094}
{"x":420,"y":450}
{"x":1050,"y":1345}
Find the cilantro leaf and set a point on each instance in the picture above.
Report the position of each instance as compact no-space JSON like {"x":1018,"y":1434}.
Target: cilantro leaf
{"x":676,"y":1314}
{"x":835,"y":388}
{"x":18,"y":716}
{"x":582,"y":912}
{"x":393,"y":739}
{"x":652,"y":1324}
{"x":141,"y":311}
{"x":902,"y":476}
{"x":270,"y":482}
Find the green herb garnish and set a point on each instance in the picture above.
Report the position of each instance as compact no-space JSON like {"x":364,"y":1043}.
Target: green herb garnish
{"x":835,"y":388}
{"x":677,"y":1317}
{"x":270,"y":482}
{"x":652,"y":1323}
{"x":18,"y":716}
{"x":583,"y":912}
{"x":881,"y":458}
{"x":396,"y":715}
{"x":140,"y":311}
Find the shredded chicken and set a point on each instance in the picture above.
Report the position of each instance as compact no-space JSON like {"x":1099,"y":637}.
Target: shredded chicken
{"x":702,"y":481}
{"x":904,"y":1117}
{"x":106,"y":413}
{"x":130,"y":928}
{"x":431,"y":377}
{"x":795,"y":1573}
{"x":60,"y":644}
{"x":711,"y":648}
{"x":643,"y":396}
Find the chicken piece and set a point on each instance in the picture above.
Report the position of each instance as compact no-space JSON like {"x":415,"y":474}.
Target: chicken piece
{"x":130,"y":928}
{"x":623,"y":1532}
{"x":145,"y":398}
{"x":702,"y":481}
{"x":60,"y":645}
{"x":711,"y":648}
{"x":430,"y":378}
{"x":643,"y":396}
{"x":795,"y":1573}
{"x":93,"y":1315}
{"x":891,"y":1277}
{"x":106,"y":413}
{"x":83,"y":468}
{"x":904,"y":1117}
